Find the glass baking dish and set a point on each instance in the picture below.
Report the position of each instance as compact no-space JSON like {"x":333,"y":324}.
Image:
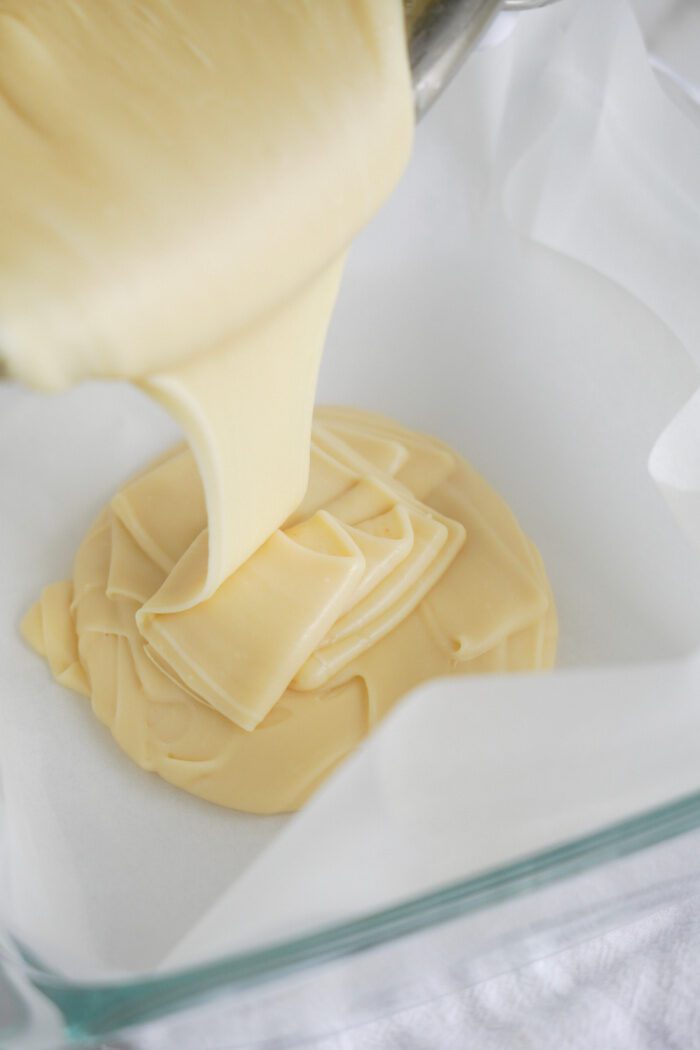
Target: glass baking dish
{"x":357,"y":971}
{"x":559,"y":384}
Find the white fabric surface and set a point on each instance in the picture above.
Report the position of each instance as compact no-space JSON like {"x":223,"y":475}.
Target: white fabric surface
{"x":636,"y":988}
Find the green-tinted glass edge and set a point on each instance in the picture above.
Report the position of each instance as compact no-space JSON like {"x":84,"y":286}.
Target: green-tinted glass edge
{"x":97,"y":1010}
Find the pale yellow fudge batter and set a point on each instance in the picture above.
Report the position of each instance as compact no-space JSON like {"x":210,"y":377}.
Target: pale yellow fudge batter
{"x":399,"y":565}
{"x":180,"y":179}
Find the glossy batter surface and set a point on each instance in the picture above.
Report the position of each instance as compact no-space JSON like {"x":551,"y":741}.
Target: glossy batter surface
{"x":401,"y":564}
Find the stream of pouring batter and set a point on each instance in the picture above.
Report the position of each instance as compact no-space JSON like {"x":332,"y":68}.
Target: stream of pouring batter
{"x":180,"y":182}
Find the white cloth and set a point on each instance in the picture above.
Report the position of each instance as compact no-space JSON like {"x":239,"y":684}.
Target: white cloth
{"x":636,"y":988}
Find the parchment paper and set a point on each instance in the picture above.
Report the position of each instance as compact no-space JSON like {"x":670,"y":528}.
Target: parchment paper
{"x":556,"y":381}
